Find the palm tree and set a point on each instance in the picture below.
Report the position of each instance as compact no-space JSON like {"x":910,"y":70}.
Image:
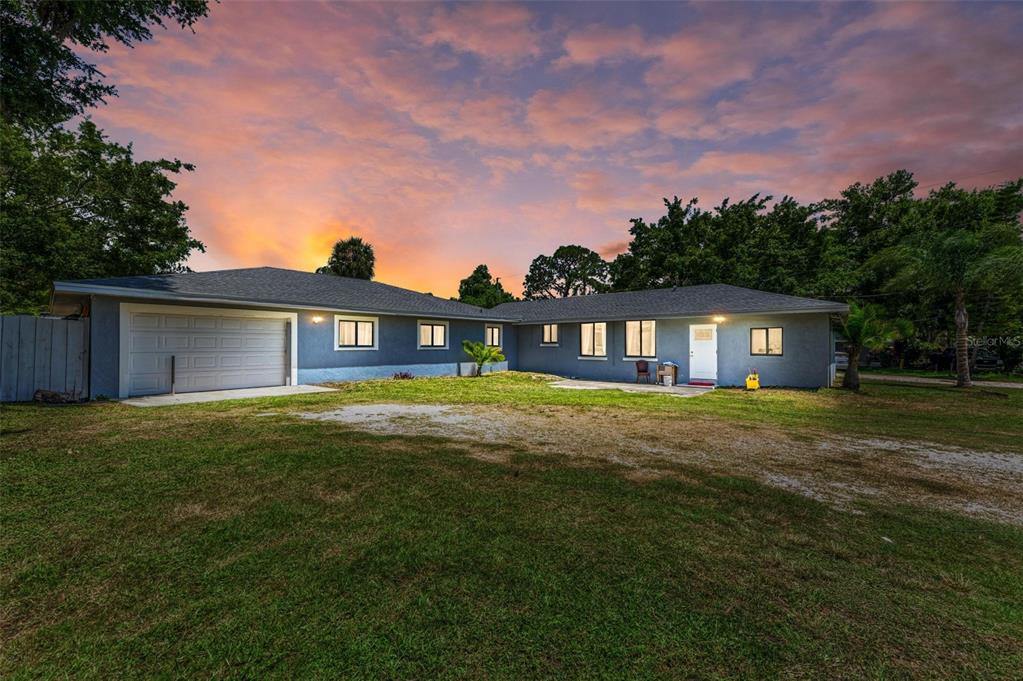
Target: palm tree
{"x":482,"y":354}
{"x":866,"y":327}
{"x":970,"y":245}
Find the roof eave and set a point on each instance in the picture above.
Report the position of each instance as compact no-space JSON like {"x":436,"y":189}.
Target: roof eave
{"x":838,"y":309}
{"x":128,"y":292}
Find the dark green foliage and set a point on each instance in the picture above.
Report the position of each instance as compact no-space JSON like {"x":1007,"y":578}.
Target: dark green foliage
{"x":570,"y":271}
{"x":482,"y":290}
{"x":858,"y":246}
{"x":44,"y":80}
{"x":745,"y":243}
{"x":76,"y":205}
{"x":351,"y":257}
{"x":966,"y":246}
{"x":865,"y":327}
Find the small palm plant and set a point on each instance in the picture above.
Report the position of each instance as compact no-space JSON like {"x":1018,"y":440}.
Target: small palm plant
{"x":866,"y":327}
{"x":482,"y":354}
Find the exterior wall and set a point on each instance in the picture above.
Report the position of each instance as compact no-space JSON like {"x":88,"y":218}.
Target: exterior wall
{"x":397,"y":349}
{"x":805,"y":363}
{"x":317,"y":359}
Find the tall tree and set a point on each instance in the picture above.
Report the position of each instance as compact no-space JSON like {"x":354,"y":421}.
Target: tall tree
{"x":482,"y":290}
{"x":351,"y":257}
{"x":570,"y":271}
{"x":44,"y":79}
{"x":75,"y":205}
{"x":72,"y":203}
{"x":970,"y":244}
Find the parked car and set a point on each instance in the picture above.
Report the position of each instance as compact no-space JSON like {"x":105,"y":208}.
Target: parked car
{"x":988,"y":361}
{"x":841,"y":361}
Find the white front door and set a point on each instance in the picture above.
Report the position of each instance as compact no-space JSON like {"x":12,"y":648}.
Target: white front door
{"x":703,"y":352}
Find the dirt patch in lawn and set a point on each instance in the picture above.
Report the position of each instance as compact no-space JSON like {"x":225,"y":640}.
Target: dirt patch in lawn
{"x":837,"y":470}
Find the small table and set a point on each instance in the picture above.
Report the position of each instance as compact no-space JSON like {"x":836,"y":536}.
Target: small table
{"x":667,"y":370}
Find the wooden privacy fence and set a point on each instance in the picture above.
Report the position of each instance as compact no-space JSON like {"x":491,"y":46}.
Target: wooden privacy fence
{"x":43,"y":354}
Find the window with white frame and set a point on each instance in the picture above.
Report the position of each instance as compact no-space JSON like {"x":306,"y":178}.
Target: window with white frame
{"x":355,"y":333}
{"x":550,"y":334}
{"x":493,"y":335}
{"x":765,"y":341}
{"x":641,"y":338}
{"x":433,"y":335}
{"x":593,"y":339}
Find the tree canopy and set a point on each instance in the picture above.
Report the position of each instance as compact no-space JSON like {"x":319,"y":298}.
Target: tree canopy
{"x":933,"y":261}
{"x":72,"y":203}
{"x":44,"y":80}
{"x":482,"y":290}
{"x":76,"y":205}
{"x":570,"y":271}
{"x":351,"y":257}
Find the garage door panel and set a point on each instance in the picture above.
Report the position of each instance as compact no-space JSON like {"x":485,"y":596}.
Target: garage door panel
{"x":145,"y":321}
{"x":210,"y":352}
{"x":175,"y":322}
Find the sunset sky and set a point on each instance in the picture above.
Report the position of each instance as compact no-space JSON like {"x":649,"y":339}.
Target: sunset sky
{"x":454,"y":135}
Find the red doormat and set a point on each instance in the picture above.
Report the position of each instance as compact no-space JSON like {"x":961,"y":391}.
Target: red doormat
{"x":703,"y":384}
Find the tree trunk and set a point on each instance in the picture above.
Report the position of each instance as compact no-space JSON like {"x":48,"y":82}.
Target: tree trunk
{"x":962,"y":348}
{"x":851,"y":378}
{"x":980,"y":333}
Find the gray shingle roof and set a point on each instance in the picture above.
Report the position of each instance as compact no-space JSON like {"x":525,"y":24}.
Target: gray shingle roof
{"x":686,"y":301}
{"x":274,"y":286}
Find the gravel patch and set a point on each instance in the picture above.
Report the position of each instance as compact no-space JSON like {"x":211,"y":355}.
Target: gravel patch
{"x":833,"y":469}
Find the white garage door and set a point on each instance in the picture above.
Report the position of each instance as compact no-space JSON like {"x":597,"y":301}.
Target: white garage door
{"x":210,"y":353}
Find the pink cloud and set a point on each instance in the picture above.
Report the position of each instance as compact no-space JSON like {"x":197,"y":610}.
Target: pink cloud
{"x":498,"y":32}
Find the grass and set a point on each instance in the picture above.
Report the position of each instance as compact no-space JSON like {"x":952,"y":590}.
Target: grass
{"x":928,"y":373}
{"x":209,"y":541}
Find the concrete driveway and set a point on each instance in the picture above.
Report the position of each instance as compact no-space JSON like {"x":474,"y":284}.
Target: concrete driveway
{"x":220,"y":395}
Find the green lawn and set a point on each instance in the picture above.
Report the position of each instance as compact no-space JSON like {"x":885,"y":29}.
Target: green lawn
{"x":210,"y":540}
{"x":927,"y":373}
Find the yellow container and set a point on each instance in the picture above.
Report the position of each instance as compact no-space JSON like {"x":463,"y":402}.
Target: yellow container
{"x":753,"y":381}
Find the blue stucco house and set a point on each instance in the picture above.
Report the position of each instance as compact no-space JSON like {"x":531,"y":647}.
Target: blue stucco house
{"x":267,"y":326}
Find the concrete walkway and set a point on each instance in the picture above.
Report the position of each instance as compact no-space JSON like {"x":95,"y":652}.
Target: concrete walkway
{"x":924,"y":380}
{"x":675,"y":390}
{"x":220,"y":395}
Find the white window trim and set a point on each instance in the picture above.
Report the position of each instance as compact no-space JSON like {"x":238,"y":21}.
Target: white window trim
{"x":486,"y":335}
{"x":550,"y":345}
{"x":595,"y":358}
{"x":124,"y":332}
{"x":637,"y":359}
{"x":353,"y":318}
{"x":434,"y":322}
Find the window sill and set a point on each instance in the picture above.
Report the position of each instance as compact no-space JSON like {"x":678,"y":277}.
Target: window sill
{"x":593,"y":359}
{"x":363,"y":348}
{"x":639,"y":359}
{"x":427,"y":347}
{"x":549,"y":345}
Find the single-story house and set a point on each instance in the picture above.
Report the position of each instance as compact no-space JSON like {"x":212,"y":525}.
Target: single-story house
{"x":267,"y":326}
